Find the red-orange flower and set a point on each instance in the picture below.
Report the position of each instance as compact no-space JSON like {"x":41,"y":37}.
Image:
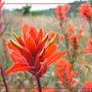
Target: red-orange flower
{"x":64,"y":72}
{"x":70,"y":27}
{"x":30,"y":52}
{"x":86,"y":10}
{"x":62,"y":36}
{"x":80,"y":29}
{"x":74,"y":39}
{"x":89,"y":46}
{"x":1,"y":4}
{"x":87,"y":87}
{"x":62,"y":11}
{"x":67,"y":34}
{"x":46,"y":89}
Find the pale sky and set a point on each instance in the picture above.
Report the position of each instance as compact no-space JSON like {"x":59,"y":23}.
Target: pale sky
{"x":34,"y":6}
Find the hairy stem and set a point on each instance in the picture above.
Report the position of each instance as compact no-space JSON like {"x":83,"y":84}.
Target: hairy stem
{"x":39,"y":85}
{"x":2,"y":74}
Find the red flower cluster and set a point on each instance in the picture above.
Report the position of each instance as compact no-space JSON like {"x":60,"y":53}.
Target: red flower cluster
{"x":80,"y":29}
{"x":1,"y":4}
{"x":87,"y":87}
{"x":67,"y":34}
{"x":61,"y":11}
{"x":70,"y":30}
{"x":62,"y":37}
{"x":70,"y":27}
{"x":89,"y":48}
{"x":63,"y":70}
{"x":45,"y":89}
{"x":74,"y":39}
{"x":86,"y":10}
{"x":30,"y":52}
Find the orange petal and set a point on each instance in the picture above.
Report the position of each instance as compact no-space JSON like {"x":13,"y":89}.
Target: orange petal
{"x":41,"y":45}
{"x":13,"y":47}
{"x":28,"y":56}
{"x":17,"y":57}
{"x":18,"y":67}
{"x":33,"y":32}
{"x":25,"y":28}
{"x":86,"y":50}
{"x":55,"y":57}
{"x":30,"y":44}
{"x":40,"y":35}
{"x":49,"y":51}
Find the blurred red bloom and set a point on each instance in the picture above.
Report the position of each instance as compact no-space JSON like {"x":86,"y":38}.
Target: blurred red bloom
{"x":1,"y":4}
{"x":30,"y":52}
{"x":86,"y":10}
{"x":74,"y":39}
{"x":70,"y":27}
{"x":87,"y":87}
{"x":23,"y":90}
{"x":67,"y":34}
{"x":46,"y":89}
{"x":80,"y":35}
{"x":82,"y":62}
{"x":80,"y":29}
{"x":63,"y":69}
{"x":89,"y":48}
{"x":62,"y":36}
{"x":61,"y":11}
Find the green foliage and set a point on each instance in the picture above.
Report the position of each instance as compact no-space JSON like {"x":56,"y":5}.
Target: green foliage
{"x":26,"y":9}
{"x":18,"y":10}
{"x":34,"y":13}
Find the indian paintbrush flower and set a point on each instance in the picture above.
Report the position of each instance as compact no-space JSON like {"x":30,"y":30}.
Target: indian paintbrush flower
{"x":63,"y":70}
{"x":86,"y":11}
{"x":30,"y":53}
{"x":61,"y":13}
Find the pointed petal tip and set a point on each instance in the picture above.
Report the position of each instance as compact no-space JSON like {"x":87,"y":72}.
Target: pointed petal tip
{"x":7,"y":72}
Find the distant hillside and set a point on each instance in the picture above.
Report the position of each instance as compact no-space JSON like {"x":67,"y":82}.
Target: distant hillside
{"x":73,"y":9}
